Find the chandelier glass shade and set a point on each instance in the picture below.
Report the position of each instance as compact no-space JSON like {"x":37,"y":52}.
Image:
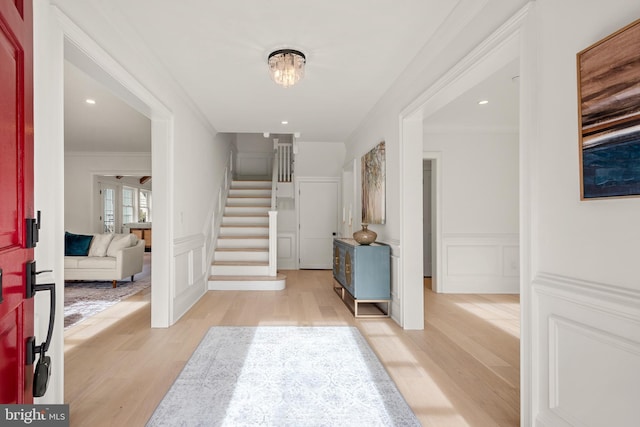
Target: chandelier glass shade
{"x":286,"y":66}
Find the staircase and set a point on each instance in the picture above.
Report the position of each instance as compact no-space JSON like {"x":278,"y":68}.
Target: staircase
{"x":241,"y":258}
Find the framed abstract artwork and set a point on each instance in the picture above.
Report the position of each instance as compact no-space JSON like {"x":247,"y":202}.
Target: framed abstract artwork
{"x":609,"y":114}
{"x":373,"y":185}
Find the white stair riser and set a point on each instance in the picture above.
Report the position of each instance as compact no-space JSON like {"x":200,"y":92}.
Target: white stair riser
{"x":247,"y":285}
{"x":249,"y":192}
{"x":244,"y":231}
{"x":243,"y":243}
{"x":240,"y":270}
{"x":250,"y":201}
{"x":251,"y":184}
{"x":230,"y":210}
{"x":234,"y":220}
{"x":241,"y":256}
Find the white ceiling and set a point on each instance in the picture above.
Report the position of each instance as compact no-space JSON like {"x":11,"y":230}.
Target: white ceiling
{"x":108,"y":125}
{"x":217,"y":52}
{"x":501,"y":89}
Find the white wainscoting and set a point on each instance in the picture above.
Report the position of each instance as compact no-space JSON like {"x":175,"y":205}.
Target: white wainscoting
{"x":287,"y":251}
{"x":582,"y":329}
{"x":254,"y":165}
{"x":190,"y":272}
{"x":480,"y":263}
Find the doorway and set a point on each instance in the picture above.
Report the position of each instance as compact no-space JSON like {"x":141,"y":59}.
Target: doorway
{"x":426,"y":222}
{"x":102,"y":184}
{"x":318,"y":201}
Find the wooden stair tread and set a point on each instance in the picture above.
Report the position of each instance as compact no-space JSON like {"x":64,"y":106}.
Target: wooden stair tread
{"x":247,"y":215}
{"x":242,"y":263}
{"x":248,"y":197}
{"x":247,"y":278}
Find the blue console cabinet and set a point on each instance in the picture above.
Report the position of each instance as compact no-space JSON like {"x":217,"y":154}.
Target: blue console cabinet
{"x":363,"y":272}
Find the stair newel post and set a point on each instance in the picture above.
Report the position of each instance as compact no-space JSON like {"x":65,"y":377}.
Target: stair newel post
{"x":273,"y":243}
{"x":273,"y":215}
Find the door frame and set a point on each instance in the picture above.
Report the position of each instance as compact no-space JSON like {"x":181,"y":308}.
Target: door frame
{"x":297,"y":181}
{"x":436,"y":217}
{"x":502,"y":46}
{"x":55,"y":38}
{"x":87,"y":55}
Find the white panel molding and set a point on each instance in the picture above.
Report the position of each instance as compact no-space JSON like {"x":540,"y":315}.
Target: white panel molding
{"x":287,"y":251}
{"x":588,"y":344}
{"x":190,"y":272}
{"x":581,"y":327}
{"x":480,"y":263}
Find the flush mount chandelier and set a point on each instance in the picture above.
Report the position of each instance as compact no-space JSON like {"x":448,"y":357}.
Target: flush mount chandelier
{"x":286,"y":66}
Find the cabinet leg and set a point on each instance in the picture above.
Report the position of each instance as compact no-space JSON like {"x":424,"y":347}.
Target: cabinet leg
{"x":114,"y":283}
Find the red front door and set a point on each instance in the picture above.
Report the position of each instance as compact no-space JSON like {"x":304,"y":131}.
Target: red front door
{"x":16,"y":196}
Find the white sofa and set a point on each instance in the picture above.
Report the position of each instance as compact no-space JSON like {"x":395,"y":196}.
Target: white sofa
{"x":110,"y":257}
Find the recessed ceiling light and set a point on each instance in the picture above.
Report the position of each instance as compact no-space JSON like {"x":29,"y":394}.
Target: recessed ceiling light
{"x":90,"y":101}
{"x":284,"y":122}
{"x":483,"y":102}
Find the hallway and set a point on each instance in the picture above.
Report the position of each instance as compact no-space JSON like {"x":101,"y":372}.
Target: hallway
{"x":462,"y":370}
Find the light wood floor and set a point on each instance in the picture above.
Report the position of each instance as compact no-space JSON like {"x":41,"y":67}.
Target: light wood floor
{"x":461,"y":370}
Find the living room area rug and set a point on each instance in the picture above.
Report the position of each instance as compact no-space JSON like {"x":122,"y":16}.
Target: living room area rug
{"x":83,"y":299}
{"x":283,"y":376}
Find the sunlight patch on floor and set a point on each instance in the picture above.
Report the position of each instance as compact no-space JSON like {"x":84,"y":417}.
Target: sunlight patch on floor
{"x":488,"y":313}
{"x":407,"y":372}
{"x":97,"y":324}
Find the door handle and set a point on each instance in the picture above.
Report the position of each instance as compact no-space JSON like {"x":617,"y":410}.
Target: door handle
{"x":51,"y":287}
{"x":41,"y":378}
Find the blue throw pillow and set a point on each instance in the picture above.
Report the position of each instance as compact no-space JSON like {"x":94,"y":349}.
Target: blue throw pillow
{"x":76,"y":244}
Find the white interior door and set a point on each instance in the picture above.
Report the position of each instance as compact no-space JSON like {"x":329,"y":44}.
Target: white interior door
{"x":426,"y":218}
{"x":318,"y":221}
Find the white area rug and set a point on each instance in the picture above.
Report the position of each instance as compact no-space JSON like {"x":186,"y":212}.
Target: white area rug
{"x":283,"y":376}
